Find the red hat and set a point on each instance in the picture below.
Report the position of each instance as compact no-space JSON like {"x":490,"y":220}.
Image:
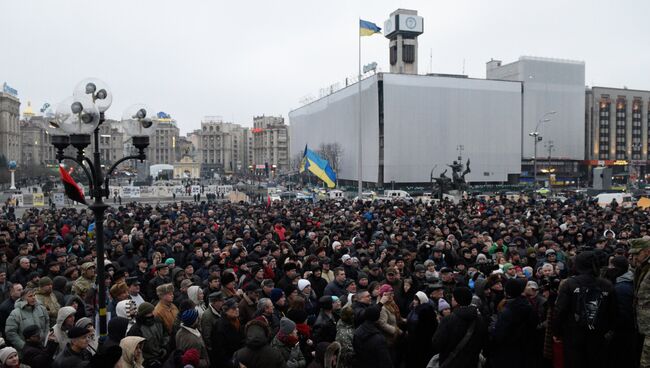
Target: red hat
{"x":385,"y":288}
{"x":192,"y":357}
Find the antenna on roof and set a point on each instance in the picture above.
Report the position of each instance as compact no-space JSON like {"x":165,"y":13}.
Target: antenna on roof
{"x":463,"y":73}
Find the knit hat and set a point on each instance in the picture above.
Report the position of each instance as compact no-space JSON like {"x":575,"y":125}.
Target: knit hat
{"x":44,"y":281}
{"x":5,"y":353}
{"x":189,"y":317}
{"x":442,"y":305}
{"x":76,"y":332}
{"x":462,"y":295}
{"x":325,"y":302}
{"x":186,"y":283}
{"x":106,"y":358}
{"x":422,"y":297}
{"x":164,"y":289}
{"x":385,"y":288}
{"x":83,"y":322}
{"x":276,"y":294}
{"x":170,"y":261}
{"x":227,"y":278}
{"x":287,"y":326}
{"x":30,"y":331}
{"x":302,"y":284}
{"x":191,"y":357}
{"x":514,"y":287}
{"x":507,"y":266}
{"x":144,"y":309}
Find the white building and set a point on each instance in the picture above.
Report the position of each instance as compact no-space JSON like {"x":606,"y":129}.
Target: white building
{"x":412,"y":124}
{"x":549,"y":85}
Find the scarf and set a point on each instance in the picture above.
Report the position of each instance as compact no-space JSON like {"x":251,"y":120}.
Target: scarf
{"x":191,"y":330}
{"x":303,"y":330}
{"x":288,"y":340}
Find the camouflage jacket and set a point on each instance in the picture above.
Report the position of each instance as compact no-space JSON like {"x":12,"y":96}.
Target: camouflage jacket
{"x":642,"y":297}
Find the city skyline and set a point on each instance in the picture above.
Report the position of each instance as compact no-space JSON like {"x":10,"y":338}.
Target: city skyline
{"x":240,"y":61}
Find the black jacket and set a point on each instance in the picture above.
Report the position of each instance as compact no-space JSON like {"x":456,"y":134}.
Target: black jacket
{"x":514,"y":334}
{"x":69,"y":358}
{"x":226,"y":340}
{"x":421,"y":325}
{"x":37,"y":356}
{"x":370,"y":347}
{"x":258,"y":353}
{"x":451,"y":331}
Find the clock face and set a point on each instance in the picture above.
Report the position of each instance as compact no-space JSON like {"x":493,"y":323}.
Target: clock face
{"x":411,"y":23}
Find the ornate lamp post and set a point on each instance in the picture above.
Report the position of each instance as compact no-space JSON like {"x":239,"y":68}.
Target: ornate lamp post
{"x":72,"y":123}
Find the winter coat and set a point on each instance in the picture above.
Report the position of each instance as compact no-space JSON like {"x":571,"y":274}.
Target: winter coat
{"x":208,"y":323}
{"x":190,"y":338}
{"x":226,"y":340}
{"x":22,"y":316}
{"x":370,"y":347}
{"x":452,"y":330}
{"x":50,"y":303}
{"x":421,"y":325}
{"x":626,"y":339}
{"x":324,"y":328}
{"x":258,"y":353}
{"x":38,"y":356}
{"x":156,"y":339}
{"x":515,"y":334}
{"x":291,"y":354}
{"x":62,"y":336}
{"x":69,"y":359}
{"x":128,"y":345}
{"x":247,"y":309}
{"x":335,"y":289}
{"x":344,"y":335}
{"x":388,"y":325}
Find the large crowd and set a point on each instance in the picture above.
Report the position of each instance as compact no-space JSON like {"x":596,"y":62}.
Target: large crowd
{"x":481,"y":283}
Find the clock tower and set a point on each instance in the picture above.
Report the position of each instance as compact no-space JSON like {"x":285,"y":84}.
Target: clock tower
{"x":402,"y":29}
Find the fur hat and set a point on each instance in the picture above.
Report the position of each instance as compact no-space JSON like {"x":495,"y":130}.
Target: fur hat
{"x":227,"y":278}
{"x":164,"y":289}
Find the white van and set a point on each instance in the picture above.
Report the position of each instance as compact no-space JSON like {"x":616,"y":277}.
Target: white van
{"x":623,"y":199}
{"x":393,"y":195}
{"x":336,"y":195}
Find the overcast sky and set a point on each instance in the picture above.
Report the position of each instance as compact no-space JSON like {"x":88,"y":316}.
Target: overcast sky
{"x":239,"y":59}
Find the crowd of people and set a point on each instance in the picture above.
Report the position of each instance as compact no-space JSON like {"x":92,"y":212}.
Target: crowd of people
{"x":480,"y":283}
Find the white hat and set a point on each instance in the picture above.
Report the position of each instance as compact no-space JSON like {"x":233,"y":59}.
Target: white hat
{"x":422,"y":297}
{"x":346,"y":257}
{"x":336,"y":244}
{"x":5,"y":353}
{"x":302,"y":284}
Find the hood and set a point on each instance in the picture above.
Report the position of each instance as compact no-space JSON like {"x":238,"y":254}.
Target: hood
{"x":193,"y":294}
{"x":467,"y":313}
{"x":117,"y":328}
{"x":364,"y":332}
{"x":626,"y":277}
{"x":120,"y":308}
{"x":59,"y":283}
{"x":128,"y":345}
{"x":20,"y":304}
{"x":257,"y":334}
{"x":332,"y":355}
{"x":64,"y":313}
{"x":585,"y":263}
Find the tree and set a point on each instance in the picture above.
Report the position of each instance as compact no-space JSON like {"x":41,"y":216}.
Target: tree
{"x":332,"y":152}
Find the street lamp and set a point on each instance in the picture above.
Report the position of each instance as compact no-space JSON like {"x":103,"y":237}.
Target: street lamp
{"x":537,"y":138}
{"x":71,"y":124}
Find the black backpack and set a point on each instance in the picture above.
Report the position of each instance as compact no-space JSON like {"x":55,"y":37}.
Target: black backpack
{"x":588,"y":302}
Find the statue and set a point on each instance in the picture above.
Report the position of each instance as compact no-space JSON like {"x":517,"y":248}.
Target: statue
{"x":457,"y":180}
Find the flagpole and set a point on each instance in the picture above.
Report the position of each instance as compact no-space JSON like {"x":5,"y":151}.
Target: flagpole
{"x":359,"y":144}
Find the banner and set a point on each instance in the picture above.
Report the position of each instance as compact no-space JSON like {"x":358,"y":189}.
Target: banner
{"x":39,"y":200}
{"x":17,"y":199}
{"x":196,"y":189}
{"x":131,"y":192}
{"x":58,"y":199}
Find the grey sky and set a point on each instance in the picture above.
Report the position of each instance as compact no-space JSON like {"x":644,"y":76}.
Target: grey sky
{"x":240,"y":59}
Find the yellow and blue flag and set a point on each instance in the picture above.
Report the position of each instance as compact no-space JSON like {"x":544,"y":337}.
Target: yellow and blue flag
{"x":367,"y":28}
{"x":318,"y":166}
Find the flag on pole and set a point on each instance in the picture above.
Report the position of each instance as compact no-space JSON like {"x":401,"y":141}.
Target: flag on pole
{"x":367,"y":28}
{"x":72,"y":190}
{"x":318,"y":166}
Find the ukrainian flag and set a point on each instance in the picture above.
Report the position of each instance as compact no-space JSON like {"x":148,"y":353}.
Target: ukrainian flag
{"x":367,"y":28}
{"x":318,"y":166}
